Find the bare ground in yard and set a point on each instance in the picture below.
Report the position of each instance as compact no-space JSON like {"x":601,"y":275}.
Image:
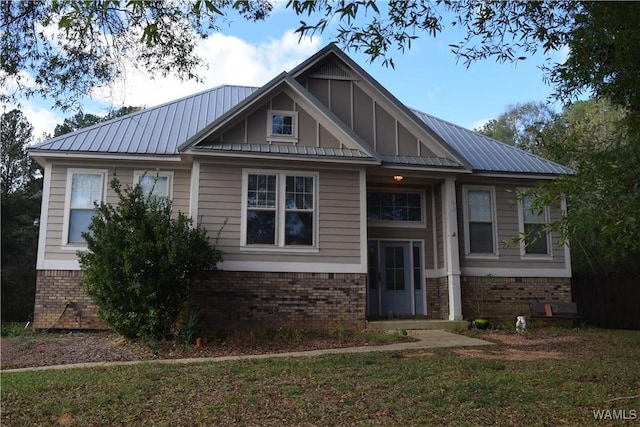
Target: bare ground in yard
{"x":43,"y":349}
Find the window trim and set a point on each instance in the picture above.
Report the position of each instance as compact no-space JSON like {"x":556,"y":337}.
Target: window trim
{"x":400,"y":224}
{"x":271,"y":137}
{"x":139,"y":173}
{"x":494,"y":222}
{"x":67,"y":203}
{"x":523,"y":250}
{"x":280,"y":212}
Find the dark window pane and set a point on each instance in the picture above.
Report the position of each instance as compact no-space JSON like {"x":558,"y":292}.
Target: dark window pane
{"x":413,"y":200}
{"x":414,"y":214}
{"x":373,"y":267}
{"x":261,"y":227}
{"x":298,"y":228}
{"x":417,"y":266}
{"x":79,"y":221}
{"x":481,"y":238}
{"x":535,"y":239}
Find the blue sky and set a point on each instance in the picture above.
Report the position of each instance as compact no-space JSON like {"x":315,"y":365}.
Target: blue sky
{"x":427,"y":77}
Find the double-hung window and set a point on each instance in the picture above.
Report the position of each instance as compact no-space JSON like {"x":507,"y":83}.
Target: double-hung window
{"x":280,"y":209}
{"x":532,"y":227}
{"x":480,"y":221}
{"x":84,"y":189}
{"x":156,"y":184}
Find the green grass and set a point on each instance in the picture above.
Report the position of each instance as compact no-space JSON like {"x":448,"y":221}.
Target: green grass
{"x":439,"y":387}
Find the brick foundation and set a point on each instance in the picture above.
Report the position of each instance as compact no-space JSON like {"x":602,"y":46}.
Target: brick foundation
{"x":61,"y":304}
{"x":437,"y":289}
{"x":305,"y":300}
{"x":504,"y":298}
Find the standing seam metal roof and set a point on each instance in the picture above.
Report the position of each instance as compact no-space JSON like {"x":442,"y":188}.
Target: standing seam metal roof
{"x":162,"y":129}
{"x":488,"y":155}
{"x":154,"y":131}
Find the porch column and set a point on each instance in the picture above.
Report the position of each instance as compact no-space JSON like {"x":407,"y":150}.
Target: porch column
{"x":451,"y":253}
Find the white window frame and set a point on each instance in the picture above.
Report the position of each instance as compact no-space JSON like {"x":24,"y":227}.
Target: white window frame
{"x":280,"y":212}
{"x":494,"y":222}
{"x":67,"y":204}
{"x":400,"y":224}
{"x":271,"y":137}
{"x":137,"y":174}
{"x":523,"y":250}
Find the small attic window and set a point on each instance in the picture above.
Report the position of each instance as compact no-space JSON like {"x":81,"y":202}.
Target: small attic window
{"x":282,"y":126}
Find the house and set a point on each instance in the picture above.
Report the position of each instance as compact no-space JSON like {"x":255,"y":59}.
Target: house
{"x":340,"y":203}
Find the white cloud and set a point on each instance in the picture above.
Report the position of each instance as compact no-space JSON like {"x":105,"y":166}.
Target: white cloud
{"x":43,"y":119}
{"x":229,"y":59}
{"x":479,"y":123}
{"x":560,"y":56}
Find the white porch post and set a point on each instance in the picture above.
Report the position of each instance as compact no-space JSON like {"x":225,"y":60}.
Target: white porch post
{"x":451,"y":253}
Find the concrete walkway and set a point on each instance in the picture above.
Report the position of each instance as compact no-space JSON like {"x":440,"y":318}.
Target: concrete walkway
{"x":426,"y":339}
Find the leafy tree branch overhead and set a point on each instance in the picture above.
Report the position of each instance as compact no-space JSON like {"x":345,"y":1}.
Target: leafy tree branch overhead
{"x":63,"y":49}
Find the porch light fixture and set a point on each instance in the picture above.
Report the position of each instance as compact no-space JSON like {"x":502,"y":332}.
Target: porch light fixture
{"x":398,"y":178}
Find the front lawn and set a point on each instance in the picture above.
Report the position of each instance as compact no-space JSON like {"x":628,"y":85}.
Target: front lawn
{"x":548,"y":377}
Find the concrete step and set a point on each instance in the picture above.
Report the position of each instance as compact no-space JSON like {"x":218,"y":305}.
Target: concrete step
{"x":419,"y":324}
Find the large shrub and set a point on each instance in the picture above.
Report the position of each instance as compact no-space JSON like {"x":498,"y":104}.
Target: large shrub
{"x":142,"y":261}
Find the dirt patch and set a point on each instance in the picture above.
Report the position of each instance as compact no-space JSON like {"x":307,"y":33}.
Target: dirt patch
{"x":46,"y":349}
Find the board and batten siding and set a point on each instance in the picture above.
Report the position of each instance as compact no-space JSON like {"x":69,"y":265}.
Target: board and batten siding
{"x":54,"y":249}
{"x":339,"y":239}
{"x":507,"y":228}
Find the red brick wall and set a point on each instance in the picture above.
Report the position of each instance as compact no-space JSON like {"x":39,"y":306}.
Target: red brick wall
{"x":504,"y":298}
{"x":306,"y":300}
{"x":61,"y":304}
{"x":437,"y":298}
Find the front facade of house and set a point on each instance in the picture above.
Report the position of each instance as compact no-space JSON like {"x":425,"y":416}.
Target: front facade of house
{"x":331,"y":200}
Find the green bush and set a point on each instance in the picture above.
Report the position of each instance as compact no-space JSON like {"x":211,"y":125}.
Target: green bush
{"x":141,"y":262}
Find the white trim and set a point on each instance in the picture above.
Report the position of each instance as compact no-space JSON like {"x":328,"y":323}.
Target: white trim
{"x":271,"y":137}
{"x":494,"y":221}
{"x":452,"y":251}
{"x":280,"y":211}
{"x":434,"y":225}
{"x":60,"y":264}
{"x":102,"y":156}
{"x":400,"y":224}
{"x":67,"y":199}
{"x":303,"y":267}
{"x":523,"y":250}
{"x":44,"y":216}
{"x":139,"y":173}
{"x":522,"y":175}
{"x":516,"y":272}
{"x":194,"y":193}
{"x":364,"y":234}
{"x":298,"y":158}
{"x":435,"y":273}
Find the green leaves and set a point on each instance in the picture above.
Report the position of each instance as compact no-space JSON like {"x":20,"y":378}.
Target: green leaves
{"x":141,"y":262}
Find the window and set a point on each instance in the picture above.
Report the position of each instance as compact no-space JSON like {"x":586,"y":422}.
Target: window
{"x":533,"y":221}
{"x":280,"y":209}
{"x":84,"y":188}
{"x":388,"y":206}
{"x":158,"y":184}
{"x":282,"y":126}
{"x":480,"y":221}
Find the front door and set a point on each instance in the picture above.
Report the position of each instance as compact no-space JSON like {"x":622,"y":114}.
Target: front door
{"x":395,"y":277}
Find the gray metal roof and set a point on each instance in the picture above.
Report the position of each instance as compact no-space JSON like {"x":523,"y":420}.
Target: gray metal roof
{"x":488,"y":155}
{"x":152,"y":131}
{"x":293,"y":150}
{"x":163,"y":129}
{"x":421,"y":161}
